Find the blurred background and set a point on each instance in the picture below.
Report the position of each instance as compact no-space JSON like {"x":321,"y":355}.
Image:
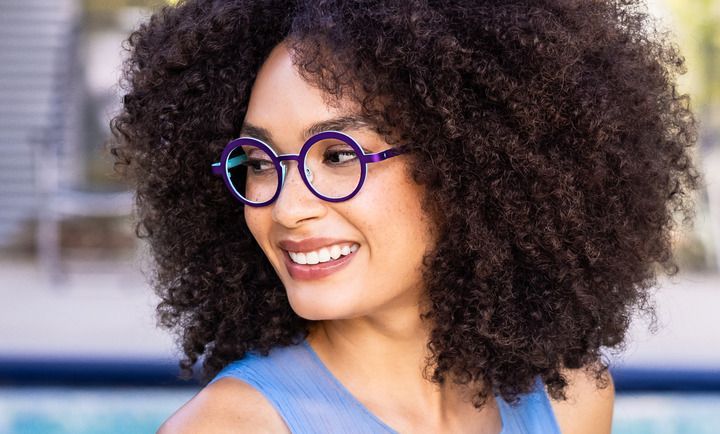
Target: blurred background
{"x":79,"y":347}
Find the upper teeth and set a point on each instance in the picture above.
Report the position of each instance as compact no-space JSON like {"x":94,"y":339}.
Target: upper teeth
{"x":323,"y":255}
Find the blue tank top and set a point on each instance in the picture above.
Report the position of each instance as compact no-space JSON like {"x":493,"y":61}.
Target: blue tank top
{"x":311,"y":400}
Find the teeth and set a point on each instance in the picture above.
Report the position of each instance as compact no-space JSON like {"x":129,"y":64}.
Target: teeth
{"x":325,"y":254}
{"x":300,"y":258}
{"x":335,"y":252}
{"x":312,"y":258}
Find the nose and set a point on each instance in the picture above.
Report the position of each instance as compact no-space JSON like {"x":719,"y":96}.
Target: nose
{"x":296,"y":203}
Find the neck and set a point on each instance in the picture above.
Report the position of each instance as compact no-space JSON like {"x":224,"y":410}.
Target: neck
{"x":381,"y":362}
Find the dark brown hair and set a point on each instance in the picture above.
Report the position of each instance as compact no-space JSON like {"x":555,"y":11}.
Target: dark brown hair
{"x":550,"y":137}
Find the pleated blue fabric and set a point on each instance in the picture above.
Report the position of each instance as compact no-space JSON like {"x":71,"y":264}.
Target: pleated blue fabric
{"x":312,"y":401}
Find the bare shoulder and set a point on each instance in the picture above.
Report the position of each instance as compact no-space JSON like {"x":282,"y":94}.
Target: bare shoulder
{"x":227,"y":406}
{"x":588,"y":409}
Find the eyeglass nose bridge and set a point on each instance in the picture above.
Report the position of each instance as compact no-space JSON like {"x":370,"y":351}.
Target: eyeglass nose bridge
{"x":308,"y":176}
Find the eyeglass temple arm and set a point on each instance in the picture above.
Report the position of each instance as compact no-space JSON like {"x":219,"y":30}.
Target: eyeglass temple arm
{"x":384,"y":155}
{"x":232,"y":162}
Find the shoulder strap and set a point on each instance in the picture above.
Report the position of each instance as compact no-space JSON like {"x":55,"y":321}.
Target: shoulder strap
{"x":532,"y":414}
{"x":300,"y":390}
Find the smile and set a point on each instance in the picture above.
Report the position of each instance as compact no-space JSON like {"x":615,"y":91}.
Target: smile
{"x":318,"y":270}
{"x":325,"y":254}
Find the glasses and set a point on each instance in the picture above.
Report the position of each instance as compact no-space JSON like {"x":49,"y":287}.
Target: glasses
{"x":331,"y":164}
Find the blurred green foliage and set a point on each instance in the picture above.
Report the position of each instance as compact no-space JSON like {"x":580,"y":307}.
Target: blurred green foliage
{"x":696,"y":24}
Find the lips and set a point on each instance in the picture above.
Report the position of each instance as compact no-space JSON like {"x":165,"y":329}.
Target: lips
{"x":316,"y":271}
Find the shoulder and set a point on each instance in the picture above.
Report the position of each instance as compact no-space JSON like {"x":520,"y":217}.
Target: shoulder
{"x":228,"y":405}
{"x":588,"y":409}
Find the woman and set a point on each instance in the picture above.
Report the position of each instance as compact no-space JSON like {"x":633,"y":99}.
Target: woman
{"x":411,"y":216}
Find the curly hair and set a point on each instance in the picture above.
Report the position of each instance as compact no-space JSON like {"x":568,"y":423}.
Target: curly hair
{"x":550,"y":137}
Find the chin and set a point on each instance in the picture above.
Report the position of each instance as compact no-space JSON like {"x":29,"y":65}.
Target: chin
{"x":313,"y":304}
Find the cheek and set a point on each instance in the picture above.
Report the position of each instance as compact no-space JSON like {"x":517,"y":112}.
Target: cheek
{"x":249,"y":219}
{"x":256,"y":222}
{"x":397,"y":225}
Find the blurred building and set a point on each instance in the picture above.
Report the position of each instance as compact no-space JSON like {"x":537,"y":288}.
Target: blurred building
{"x":40,"y":104}
{"x":60,"y":65}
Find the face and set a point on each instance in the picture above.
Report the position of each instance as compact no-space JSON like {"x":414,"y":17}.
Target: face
{"x":383,"y":225}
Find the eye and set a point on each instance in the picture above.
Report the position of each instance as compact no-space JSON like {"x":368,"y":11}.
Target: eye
{"x":339,"y":155}
{"x":259,"y":165}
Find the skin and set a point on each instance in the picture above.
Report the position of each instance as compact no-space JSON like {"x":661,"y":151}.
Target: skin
{"x":368,"y":331}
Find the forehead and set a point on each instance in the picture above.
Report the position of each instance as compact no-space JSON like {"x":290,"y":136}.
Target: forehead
{"x":348,"y":123}
{"x":285,"y":108}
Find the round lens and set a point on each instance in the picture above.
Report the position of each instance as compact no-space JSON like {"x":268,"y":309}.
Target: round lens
{"x":333,"y":168}
{"x":252,"y":173}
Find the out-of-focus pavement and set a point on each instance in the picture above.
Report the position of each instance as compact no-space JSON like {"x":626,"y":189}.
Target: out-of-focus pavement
{"x":112,"y":315}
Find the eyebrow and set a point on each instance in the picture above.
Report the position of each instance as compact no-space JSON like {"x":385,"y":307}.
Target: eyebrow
{"x":341,"y":123}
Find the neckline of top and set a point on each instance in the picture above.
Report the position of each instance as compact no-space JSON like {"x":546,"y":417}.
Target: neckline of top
{"x":342,"y":387}
{"x":344,"y":390}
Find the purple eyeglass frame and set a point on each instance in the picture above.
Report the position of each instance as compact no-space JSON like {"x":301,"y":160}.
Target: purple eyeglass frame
{"x":220,"y":168}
